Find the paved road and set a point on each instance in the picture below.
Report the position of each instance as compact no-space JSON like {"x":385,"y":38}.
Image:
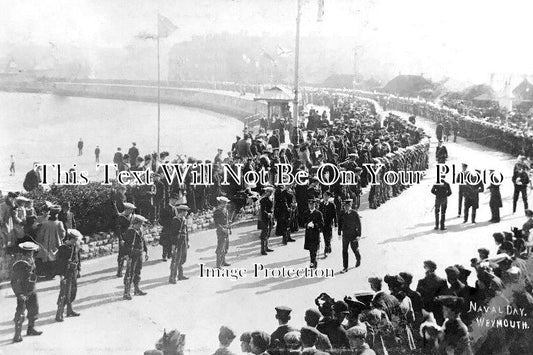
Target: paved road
{"x":397,"y":237}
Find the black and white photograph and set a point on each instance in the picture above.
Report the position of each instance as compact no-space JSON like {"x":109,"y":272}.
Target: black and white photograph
{"x":270,"y":177}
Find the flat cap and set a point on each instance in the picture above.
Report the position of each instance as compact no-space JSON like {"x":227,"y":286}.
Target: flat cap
{"x":452,"y":302}
{"x":430,"y":264}
{"x":222,"y":199}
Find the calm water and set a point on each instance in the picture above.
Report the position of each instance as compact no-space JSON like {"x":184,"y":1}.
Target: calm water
{"x":46,"y":128}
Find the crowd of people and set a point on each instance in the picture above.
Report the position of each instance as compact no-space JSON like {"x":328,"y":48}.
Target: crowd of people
{"x":437,"y":316}
{"x":505,"y":136}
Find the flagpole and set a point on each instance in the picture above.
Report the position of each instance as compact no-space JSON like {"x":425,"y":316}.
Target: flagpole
{"x":296,"y":59}
{"x":158,"y":91}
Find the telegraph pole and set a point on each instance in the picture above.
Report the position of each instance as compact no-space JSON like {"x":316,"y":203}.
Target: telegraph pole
{"x":158,"y":91}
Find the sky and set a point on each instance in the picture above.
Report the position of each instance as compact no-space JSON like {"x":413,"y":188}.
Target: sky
{"x":463,"y":39}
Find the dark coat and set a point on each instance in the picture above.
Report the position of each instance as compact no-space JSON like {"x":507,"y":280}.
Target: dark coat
{"x":23,"y":278}
{"x":495,"y":196}
{"x":430,"y":287}
{"x":31,"y":181}
{"x":329,"y":214}
{"x":349,"y":225}
{"x":265,"y":205}
{"x":441,"y":191}
{"x":312,"y":235}
{"x":67,"y":255}
{"x":472,"y":194}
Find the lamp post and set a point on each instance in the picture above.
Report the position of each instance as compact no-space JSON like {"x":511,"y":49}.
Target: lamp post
{"x":296,"y":59}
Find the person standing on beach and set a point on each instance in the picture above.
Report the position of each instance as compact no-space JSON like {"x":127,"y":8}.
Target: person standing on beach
{"x":12,"y":165}
{"x":80,"y":147}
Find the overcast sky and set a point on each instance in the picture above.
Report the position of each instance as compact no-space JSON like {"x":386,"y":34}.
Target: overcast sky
{"x":465,"y":39}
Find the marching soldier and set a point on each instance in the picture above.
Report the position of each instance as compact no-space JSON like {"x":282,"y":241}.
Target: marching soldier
{"x":265,"y":221}
{"x":122,"y":225}
{"x":135,"y":246}
{"x":314,"y":223}
{"x":350,"y":229}
{"x":441,"y":192}
{"x":327,"y":208}
{"x":179,"y":241}
{"x":68,"y":268}
{"x":220,"y":217}
{"x":23,"y":285}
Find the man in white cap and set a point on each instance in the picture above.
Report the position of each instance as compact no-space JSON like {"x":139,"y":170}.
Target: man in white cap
{"x":122,"y":224}
{"x":23,"y":283}
{"x":68,"y":267}
{"x":179,"y":241}
{"x":265,"y":221}
{"x":135,"y":246}
{"x":220,"y":217}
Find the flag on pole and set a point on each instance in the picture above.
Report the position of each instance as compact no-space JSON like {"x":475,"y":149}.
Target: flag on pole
{"x":320,"y":10}
{"x":165,"y":27}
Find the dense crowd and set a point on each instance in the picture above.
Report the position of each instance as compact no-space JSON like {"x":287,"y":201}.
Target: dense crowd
{"x":437,"y":316}
{"x":504,"y":135}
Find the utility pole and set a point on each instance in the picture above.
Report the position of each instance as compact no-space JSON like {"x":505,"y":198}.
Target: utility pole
{"x":296,"y":59}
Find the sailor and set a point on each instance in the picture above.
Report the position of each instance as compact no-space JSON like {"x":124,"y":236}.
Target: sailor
{"x":350,"y":229}
{"x":220,"y":217}
{"x":179,"y":241}
{"x":135,"y":246}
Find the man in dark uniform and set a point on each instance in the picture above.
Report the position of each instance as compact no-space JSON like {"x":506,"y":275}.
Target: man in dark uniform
{"x":122,"y":225}
{"x":430,"y":287}
{"x":179,"y":242}
{"x":350,"y":229}
{"x":314,"y":222}
{"x":23,"y":285}
{"x":462,"y":188}
{"x":265,"y":221}
{"x":165,"y":219}
{"x":327,"y":208}
{"x":68,"y":267}
{"x":520,"y":180}
{"x":495,"y":202}
{"x":222,"y":224}
{"x":135,"y":246}
{"x":441,"y":192}
{"x":472,"y":199}
{"x":283,"y":315}
{"x":333,"y":327}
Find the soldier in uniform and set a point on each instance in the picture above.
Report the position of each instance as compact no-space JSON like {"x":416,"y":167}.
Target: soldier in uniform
{"x":265,"y":221}
{"x":462,"y":188}
{"x":495,"y":202}
{"x":472,"y":199}
{"x":166,"y":217}
{"x":327,"y":208}
{"x":350,"y":229}
{"x":68,"y":267}
{"x":441,"y":192}
{"x":220,"y":217}
{"x":23,"y":285}
{"x":283,"y":315}
{"x":179,"y":241}
{"x":123,"y":223}
{"x":135,"y":246}
{"x":314,"y":223}
{"x":441,"y":154}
